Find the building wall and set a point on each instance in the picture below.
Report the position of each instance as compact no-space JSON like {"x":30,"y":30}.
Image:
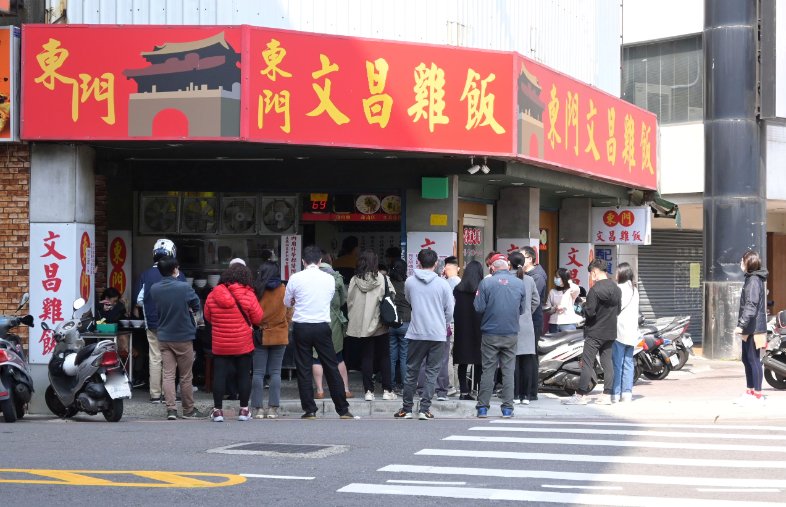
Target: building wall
{"x":15,"y":224}
{"x":776,"y":161}
{"x":578,"y":38}
{"x":645,"y":20}
{"x":682,"y":158}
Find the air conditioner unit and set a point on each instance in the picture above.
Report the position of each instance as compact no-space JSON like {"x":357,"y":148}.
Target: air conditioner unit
{"x":158,"y":213}
{"x":238,"y":214}
{"x":199,"y":215}
{"x":278,"y":215}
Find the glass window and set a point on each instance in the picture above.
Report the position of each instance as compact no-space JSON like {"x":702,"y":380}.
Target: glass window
{"x":666,"y":78}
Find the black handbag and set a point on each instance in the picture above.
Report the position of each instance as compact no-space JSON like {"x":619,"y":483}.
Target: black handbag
{"x":256,"y":333}
{"x":388,"y":313}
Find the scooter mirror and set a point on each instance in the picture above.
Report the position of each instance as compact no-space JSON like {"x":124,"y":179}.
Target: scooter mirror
{"x":79,"y":303}
{"x":44,"y":326}
{"x":27,"y":320}
{"x":23,"y":301}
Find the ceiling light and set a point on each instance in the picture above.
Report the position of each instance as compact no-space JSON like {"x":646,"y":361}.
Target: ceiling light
{"x":474,"y":168}
{"x":485,"y":168}
{"x":494,"y":180}
{"x":517,"y":184}
{"x":560,"y":191}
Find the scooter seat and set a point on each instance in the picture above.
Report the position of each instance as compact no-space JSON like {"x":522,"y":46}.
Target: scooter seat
{"x":84,"y":353}
{"x":549,"y":342}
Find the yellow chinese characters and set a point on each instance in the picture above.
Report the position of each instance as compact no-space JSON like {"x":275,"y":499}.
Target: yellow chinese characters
{"x":646,"y":159}
{"x":270,"y":100}
{"x":480,"y":104}
{"x":572,"y":120}
{"x":326,"y":104}
{"x":378,"y":106}
{"x":429,"y":96}
{"x":591,"y":147}
{"x":101,"y":88}
{"x":553,"y":135}
{"x":611,"y":142}
{"x":629,"y":149}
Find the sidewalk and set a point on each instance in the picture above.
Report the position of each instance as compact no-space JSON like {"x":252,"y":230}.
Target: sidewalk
{"x":704,"y":390}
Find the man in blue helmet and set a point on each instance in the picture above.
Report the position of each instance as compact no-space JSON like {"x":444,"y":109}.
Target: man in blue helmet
{"x":161,"y":249}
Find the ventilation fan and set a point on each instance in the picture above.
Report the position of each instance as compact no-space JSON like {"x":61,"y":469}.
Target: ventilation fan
{"x":238,"y":215}
{"x":199,"y":215}
{"x":158,"y":214}
{"x":278,"y":215}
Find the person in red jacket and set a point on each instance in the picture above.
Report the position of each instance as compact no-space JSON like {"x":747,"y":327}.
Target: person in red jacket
{"x":231,"y":308}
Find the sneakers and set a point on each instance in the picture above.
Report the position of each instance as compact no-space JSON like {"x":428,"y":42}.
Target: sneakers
{"x":402,"y":415}
{"x":525,"y":401}
{"x":744,"y":398}
{"x":452,"y":391}
{"x":194,"y":414}
{"x":244,"y":414}
{"x":603,"y":399}
{"x":442,"y":397}
{"x":483,"y":412}
{"x":309,"y":415}
{"x":466,"y":397}
{"x":258,"y":413}
{"x":389,"y":395}
{"x":615,"y":398}
{"x":156,"y":400}
{"x":217,"y":414}
{"x":425,"y":416}
{"x":272,"y":413}
{"x":507,"y":412}
{"x":171,"y":415}
{"x":369,"y":396}
{"x":347,"y":415}
{"x":626,"y":397}
{"x":576,"y":399}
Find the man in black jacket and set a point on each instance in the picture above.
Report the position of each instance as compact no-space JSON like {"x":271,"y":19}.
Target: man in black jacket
{"x":600,"y":331}
{"x":538,"y":275}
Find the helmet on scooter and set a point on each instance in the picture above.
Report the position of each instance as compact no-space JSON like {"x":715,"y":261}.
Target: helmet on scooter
{"x":163,"y":248}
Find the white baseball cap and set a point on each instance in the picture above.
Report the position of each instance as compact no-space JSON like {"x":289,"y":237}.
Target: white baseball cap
{"x":237,"y":260}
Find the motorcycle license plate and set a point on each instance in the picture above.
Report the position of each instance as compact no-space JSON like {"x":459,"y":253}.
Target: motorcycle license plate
{"x":117,"y":387}
{"x":688,"y":342}
{"x":674,"y":360}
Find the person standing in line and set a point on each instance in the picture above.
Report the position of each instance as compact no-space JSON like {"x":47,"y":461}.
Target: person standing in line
{"x":269,"y":355}
{"x":562,"y":315}
{"x":501,"y":298}
{"x":526,"y":371}
{"x":538,"y":274}
{"x":232,"y":310}
{"x":627,"y":335}
{"x":466,"y":349}
{"x":752,"y":320}
{"x":310,"y":292}
{"x":398,"y":340}
{"x":600,"y":332}
{"x":176,"y":304}
{"x":366,"y":290}
{"x":432,"y":309}
{"x":338,"y":328}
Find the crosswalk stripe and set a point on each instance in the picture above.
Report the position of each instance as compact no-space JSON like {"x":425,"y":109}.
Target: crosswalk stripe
{"x":646,"y":433}
{"x":591,"y":458}
{"x":578,"y":476}
{"x":640,"y":425}
{"x":621,"y":443}
{"x":543,"y":496}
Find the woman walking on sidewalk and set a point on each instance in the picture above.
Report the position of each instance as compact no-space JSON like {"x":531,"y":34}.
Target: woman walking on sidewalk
{"x":752,"y":325}
{"x":627,"y":335}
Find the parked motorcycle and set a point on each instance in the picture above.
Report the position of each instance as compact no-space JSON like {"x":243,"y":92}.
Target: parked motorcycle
{"x":657,"y":354}
{"x":774,"y":360}
{"x":88,"y":378}
{"x":674,"y":329}
{"x":16,"y":382}
{"x":559,"y":367}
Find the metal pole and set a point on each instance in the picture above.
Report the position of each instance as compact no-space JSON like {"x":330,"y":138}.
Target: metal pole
{"x":734,"y":177}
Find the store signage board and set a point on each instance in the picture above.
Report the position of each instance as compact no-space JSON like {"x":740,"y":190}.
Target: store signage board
{"x":608,"y":254}
{"x":61,"y":270}
{"x":291,"y":248}
{"x":9,"y":84}
{"x":575,"y":257}
{"x":278,"y":86}
{"x":119,"y":262}
{"x":622,"y":226}
{"x":509,"y":245}
{"x":444,"y":243}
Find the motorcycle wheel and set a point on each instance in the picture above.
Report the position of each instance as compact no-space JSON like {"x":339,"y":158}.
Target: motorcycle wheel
{"x":658,"y":375}
{"x":683,"y":355}
{"x":775,"y":380}
{"x":114,"y":412}
{"x":56,"y":406}
{"x":8,"y":408}
{"x":20,"y":408}
{"x":637,"y":370}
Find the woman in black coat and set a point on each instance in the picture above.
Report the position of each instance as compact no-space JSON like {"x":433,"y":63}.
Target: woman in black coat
{"x":466,"y":341}
{"x":752,"y":320}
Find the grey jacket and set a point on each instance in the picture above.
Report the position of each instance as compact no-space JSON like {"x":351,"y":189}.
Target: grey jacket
{"x":363,"y":305}
{"x":175,"y":300}
{"x":432,"y":306}
{"x":501,"y":298}
{"x":526,"y":340}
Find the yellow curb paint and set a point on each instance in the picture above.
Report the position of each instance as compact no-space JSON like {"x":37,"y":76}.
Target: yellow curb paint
{"x":86,"y":478}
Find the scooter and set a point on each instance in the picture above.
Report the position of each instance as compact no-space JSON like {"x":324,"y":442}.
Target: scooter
{"x":16,"y":382}
{"x":88,"y":378}
{"x":774,"y":360}
{"x":559,"y":367}
{"x":675,"y":329}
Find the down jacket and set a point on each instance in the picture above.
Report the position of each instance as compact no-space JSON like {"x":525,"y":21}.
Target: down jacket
{"x":363,"y":305}
{"x":231,"y":333}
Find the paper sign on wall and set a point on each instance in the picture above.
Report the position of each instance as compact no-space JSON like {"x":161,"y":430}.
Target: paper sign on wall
{"x":444,"y":243}
{"x":118,"y":267}
{"x":291,"y":246}
{"x":575,"y":257}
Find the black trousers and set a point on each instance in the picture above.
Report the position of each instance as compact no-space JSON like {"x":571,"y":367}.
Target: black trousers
{"x":464,"y":387}
{"x":318,"y":337}
{"x":375,"y":356}
{"x":526,"y":377}
{"x":222,"y":365}
{"x":593,"y":346}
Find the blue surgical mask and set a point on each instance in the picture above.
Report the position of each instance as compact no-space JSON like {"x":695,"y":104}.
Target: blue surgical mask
{"x":558,"y":281}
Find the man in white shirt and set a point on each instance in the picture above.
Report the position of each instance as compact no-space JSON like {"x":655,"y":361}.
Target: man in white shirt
{"x":310,"y":292}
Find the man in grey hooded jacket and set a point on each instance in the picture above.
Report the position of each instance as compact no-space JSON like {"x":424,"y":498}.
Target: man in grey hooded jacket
{"x":432,"y":311}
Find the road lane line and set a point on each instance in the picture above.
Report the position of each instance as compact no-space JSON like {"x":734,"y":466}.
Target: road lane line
{"x":544,"y":496}
{"x":562,"y":486}
{"x":589,"y":477}
{"x":738,"y":490}
{"x":620,"y":443}
{"x":87,"y":478}
{"x":591,"y":458}
{"x":639,"y":425}
{"x":438,"y":483}
{"x":642,"y":433}
{"x":283,"y":477}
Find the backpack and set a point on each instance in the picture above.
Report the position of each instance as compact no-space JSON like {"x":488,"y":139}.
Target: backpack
{"x":388,"y":313}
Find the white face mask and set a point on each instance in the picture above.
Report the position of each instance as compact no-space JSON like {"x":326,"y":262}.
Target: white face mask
{"x":558,"y":281}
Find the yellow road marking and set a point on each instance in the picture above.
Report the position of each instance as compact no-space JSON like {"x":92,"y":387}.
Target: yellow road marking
{"x":156,"y":479}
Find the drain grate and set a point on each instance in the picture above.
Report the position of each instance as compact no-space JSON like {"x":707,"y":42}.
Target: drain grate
{"x":280,"y":449}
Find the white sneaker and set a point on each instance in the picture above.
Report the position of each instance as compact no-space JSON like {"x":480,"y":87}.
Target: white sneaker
{"x":615,"y":398}
{"x":627,"y":397}
{"x":525,"y":401}
{"x":576,"y":399}
{"x":452,"y":391}
{"x":369,"y":396}
{"x":743,"y":398}
{"x":389,"y":395}
{"x":442,"y":398}
{"x":603,"y":399}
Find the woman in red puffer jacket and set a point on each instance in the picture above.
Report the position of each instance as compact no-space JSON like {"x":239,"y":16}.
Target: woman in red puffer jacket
{"x":233,"y":344}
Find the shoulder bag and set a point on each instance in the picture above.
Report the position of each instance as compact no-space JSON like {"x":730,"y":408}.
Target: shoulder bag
{"x":256,"y":333}
{"x":388,"y":313}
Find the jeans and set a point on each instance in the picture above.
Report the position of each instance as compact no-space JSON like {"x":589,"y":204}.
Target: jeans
{"x":591,"y":348}
{"x":375,"y":350}
{"x":317,"y":337}
{"x":496,"y":349}
{"x":267,"y":361}
{"x":417,"y":351}
{"x":242,"y":378}
{"x":178,"y":356}
{"x":556,"y":328}
{"x":443,"y":378}
{"x":622,"y":356}
{"x":398,"y":352}
{"x":752,"y":363}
